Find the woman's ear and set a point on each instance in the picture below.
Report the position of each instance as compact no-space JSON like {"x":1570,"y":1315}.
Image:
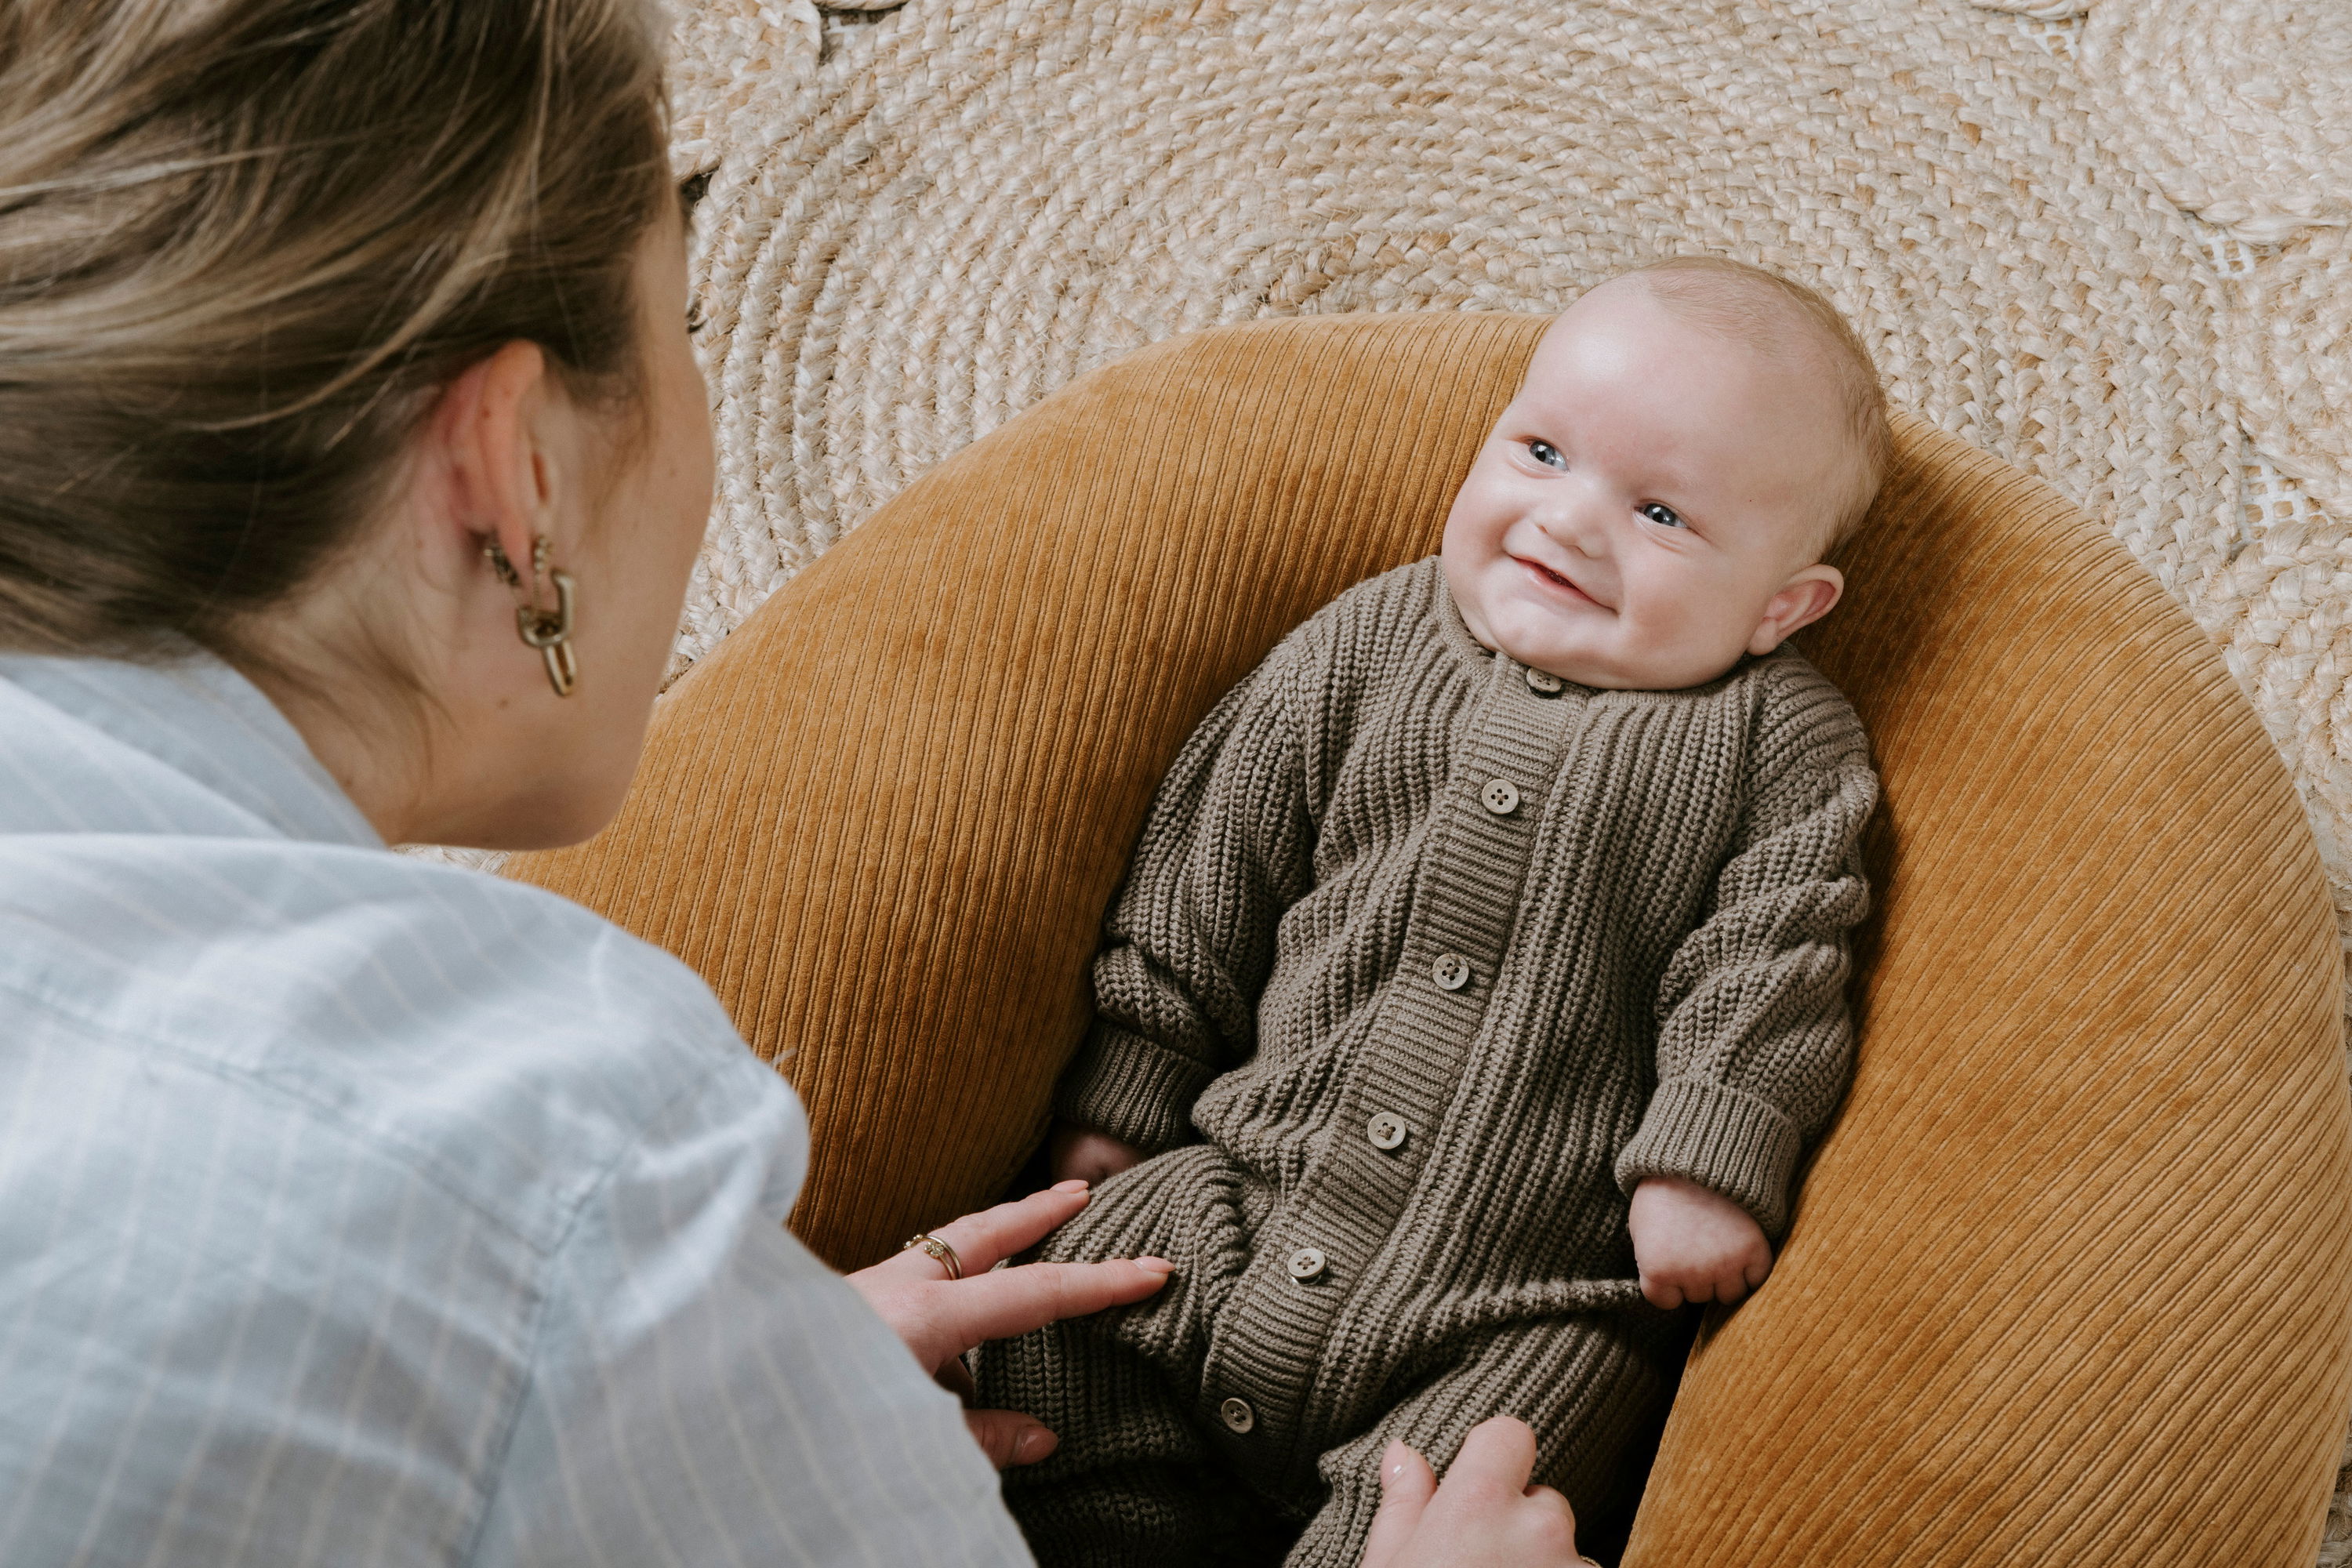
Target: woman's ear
{"x":486,"y":441}
{"x":1799,"y":603}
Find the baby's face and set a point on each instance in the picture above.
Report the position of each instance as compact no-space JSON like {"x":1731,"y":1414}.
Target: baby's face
{"x":1648,"y":507}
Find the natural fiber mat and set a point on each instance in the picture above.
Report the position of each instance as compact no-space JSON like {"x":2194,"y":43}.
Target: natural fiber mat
{"x":934,"y":227}
{"x":2241,"y":112}
{"x":922,"y":220}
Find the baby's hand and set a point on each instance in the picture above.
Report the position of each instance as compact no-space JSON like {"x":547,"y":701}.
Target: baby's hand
{"x":1088,"y":1155}
{"x":1693,"y":1243}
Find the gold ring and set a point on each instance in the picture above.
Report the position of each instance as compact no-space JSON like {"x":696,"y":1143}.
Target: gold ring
{"x":939,"y":1249}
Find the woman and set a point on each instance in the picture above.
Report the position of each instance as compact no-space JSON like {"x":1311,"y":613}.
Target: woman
{"x":355,"y":1208}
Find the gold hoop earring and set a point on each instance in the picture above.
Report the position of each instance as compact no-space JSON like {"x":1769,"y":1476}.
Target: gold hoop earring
{"x":548,"y":630}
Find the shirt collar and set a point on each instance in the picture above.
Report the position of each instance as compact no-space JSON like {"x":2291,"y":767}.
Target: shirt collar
{"x":184,"y":745}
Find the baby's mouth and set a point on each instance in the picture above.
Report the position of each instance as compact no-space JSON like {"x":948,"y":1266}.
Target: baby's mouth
{"x":1546,"y":575}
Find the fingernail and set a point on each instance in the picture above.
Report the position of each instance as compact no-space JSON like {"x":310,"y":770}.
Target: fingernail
{"x":1033,"y":1445}
{"x":1155,"y":1266}
{"x":1072,"y":1185}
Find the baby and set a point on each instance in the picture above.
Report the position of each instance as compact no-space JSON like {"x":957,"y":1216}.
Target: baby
{"x":1479,"y":978}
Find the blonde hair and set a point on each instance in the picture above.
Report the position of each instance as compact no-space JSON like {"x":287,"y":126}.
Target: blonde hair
{"x":242,"y":245}
{"x":1774,"y":314}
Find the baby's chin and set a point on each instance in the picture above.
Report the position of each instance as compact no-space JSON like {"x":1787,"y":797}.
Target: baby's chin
{"x":1548,"y":642}
{"x":1590,"y":645}
{"x":1611,"y":669}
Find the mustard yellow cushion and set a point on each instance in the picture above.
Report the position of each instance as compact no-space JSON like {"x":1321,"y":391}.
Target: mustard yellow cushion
{"x":2071,"y":1280}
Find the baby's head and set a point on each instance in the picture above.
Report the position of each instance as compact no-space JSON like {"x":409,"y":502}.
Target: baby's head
{"x":1691,"y":439}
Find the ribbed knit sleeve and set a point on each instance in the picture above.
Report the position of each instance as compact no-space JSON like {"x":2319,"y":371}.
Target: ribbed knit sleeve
{"x":1190,"y":937}
{"x":1754,"y":1045}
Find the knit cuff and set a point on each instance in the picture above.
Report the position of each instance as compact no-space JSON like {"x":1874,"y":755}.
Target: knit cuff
{"x":1727,"y":1141}
{"x":1138,"y":1091}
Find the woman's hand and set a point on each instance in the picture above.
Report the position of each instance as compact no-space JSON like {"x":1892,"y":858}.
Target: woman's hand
{"x":1485,"y":1516}
{"x":941,"y":1319}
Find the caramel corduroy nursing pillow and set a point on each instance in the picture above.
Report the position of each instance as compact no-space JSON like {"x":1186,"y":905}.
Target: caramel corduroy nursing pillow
{"x":2071,"y":1280}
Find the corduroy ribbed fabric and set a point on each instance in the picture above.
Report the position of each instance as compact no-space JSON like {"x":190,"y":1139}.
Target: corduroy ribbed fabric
{"x":2070,"y":1278}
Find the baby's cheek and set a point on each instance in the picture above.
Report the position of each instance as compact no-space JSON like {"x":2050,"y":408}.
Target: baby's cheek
{"x":1694,"y":610}
{"x":1470,"y":571}
{"x":1468,"y":546}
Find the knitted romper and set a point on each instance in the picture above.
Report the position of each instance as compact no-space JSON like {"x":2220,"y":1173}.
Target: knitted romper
{"x":1424,"y":959}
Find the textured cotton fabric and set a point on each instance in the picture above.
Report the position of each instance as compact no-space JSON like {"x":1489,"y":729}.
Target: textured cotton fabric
{"x":1646,"y":894}
{"x":1442,"y":956}
{"x":357,"y":1210}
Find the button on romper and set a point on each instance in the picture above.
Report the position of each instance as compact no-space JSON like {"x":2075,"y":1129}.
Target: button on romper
{"x":1424,"y":961}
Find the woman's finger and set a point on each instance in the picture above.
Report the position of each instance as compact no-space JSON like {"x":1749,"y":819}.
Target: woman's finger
{"x":1014,"y":1300}
{"x":1406,"y":1485}
{"x":1009,"y":1437}
{"x":956,"y":1378}
{"x":981,"y":1240}
{"x":1500,"y":1453}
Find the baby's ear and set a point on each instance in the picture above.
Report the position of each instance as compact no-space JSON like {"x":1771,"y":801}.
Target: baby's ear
{"x":1803,"y":599}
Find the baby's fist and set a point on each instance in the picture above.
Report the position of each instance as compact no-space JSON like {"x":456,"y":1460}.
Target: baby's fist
{"x":1089,"y":1156}
{"x":1693,"y":1243}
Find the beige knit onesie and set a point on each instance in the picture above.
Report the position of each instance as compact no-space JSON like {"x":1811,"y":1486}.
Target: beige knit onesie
{"x":1424,"y":959}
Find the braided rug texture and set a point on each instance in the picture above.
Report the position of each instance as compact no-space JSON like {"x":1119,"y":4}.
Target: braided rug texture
{"x":981,"y":199}
{"x":2241,"y":111}
{"x":922,"y":220}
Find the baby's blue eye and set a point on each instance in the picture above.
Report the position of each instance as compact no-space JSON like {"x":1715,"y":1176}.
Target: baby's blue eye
{"x":1547,"y":454}
{"x":1663,"y":516}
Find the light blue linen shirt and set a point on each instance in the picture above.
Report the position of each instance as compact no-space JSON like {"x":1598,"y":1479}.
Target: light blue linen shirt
{"x":357,"y":1209}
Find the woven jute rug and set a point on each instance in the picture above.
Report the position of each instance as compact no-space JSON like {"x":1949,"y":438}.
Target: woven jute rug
{"x":2241,"y":112}
{"x":969,"y":201}
{"x":921,"y":220}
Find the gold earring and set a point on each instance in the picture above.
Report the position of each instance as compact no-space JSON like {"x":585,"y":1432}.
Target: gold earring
{"x":548,"y":631}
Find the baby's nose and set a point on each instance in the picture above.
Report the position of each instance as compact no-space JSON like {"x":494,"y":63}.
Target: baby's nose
{"x":1576,"y":524}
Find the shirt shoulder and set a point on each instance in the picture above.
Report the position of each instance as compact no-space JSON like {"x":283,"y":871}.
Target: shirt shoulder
{"x":1800,"y":712}
{"x":1806,"y":749}
{"x":1373,"y":636}
{"x":501,"y":1042}
{"x":1399,"y":605}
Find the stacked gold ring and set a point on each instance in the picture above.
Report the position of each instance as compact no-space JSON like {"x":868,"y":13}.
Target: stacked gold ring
{"x":939,"y":1249}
